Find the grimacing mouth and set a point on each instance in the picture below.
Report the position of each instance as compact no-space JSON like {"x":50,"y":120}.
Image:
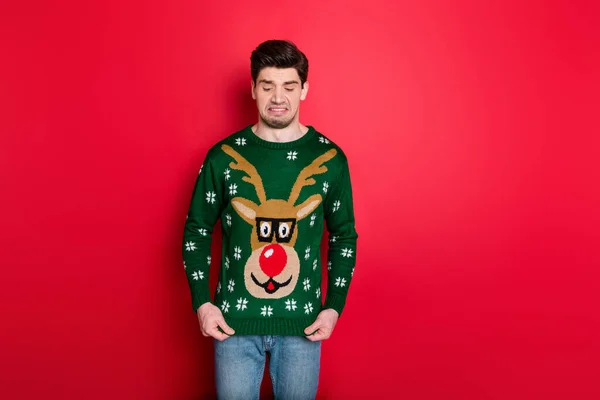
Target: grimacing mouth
{"x":276,"y":285}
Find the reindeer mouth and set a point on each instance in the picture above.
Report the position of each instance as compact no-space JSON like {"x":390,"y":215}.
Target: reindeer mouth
{"x":270,"y":286}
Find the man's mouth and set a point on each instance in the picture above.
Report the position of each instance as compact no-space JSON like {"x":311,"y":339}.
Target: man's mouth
{"x":277,"y":109}
{"x":270,"y":286}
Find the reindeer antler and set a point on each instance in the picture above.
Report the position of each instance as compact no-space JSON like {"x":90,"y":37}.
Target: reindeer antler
{"x":243,"y":165}
{"x":304,"y":178}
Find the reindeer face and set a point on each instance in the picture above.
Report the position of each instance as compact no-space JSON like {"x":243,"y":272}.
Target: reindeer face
{"x":272,"y":270}
{"x":273,"y":267}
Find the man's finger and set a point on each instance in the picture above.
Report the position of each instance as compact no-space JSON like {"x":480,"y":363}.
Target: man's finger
{"x":226,"y":328}
{"x":318,"y":336}
{"x":220,"y":336}
{"x":313,"y":327}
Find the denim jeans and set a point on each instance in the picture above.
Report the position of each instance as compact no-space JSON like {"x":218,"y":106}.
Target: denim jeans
{"x":294,"y":366}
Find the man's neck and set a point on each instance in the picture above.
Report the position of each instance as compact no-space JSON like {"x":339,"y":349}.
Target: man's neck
{"x":290,"y":133}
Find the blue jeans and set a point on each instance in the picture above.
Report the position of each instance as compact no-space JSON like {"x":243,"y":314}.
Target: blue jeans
{"x":293,"y":366}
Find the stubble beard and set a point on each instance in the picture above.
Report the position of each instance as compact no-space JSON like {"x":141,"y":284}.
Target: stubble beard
{"x":276,"y":123}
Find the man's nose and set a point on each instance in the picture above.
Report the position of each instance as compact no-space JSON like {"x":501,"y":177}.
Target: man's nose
{"x":278,"y":96}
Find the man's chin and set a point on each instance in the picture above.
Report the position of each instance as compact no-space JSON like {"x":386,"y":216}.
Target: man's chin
{"x":277,"y":123}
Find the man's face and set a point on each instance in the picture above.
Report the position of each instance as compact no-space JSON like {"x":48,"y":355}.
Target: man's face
{"x":278,"y":93}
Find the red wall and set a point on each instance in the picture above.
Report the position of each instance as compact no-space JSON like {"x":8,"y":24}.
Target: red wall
{"x":472,"y":132}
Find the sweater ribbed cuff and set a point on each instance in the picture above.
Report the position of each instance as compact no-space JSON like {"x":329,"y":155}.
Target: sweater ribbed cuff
{"x":336,"y":302}
{"x":200,"y":298}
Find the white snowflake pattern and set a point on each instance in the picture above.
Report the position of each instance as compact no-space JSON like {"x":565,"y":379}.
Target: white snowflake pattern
{"x":292,"y":155}
{"x":210,"y":197}
{"x":202,"y":232}
{"x":226,"y":262}
{"x":333,"y":239}
{"x":325,"y":187}
{"x":341,"y":282}
{"x":290,"y":305}
{"x":315,"y":262}
{"x":184,"y":266}
{"x":198,"y":275}
{"x":347,"y":253}
{"x":308,"y":308}
{"x":312,"y":219}
{"x":228,"y":219}
{"x":190,"y":246}
{"x":208,"y":260}
{"x":352,"y":273}
{"x":328,"y":265}
{"x":231,"y":285}
{"x":227,"y":173}
{"x":218,"y":287}
{"x":237,"y":252}
{"x":242,"y":304}
{"x":318,"y":292}
{"x":225,"y":306}
{"x":240,"y":141}
{"x":336,"y":205}
{"x":199,"y":172}
{"x":322,"y":139}
{"x":232,"y":189}
{"x":307,"y":253}
{"x":266,"y":311}
{"x":306,"y":284}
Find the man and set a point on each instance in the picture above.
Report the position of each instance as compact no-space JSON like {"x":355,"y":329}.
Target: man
{"x":273,"y":185}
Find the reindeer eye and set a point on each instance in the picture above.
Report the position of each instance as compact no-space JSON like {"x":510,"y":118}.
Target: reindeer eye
{"x":284,"y":230}
{"x":265,"y":229}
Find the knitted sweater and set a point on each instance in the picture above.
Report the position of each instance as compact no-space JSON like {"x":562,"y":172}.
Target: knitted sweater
{"x":274,"y":200}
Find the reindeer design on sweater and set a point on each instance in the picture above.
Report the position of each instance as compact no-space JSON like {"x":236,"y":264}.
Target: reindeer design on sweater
{"x":272,"y":270}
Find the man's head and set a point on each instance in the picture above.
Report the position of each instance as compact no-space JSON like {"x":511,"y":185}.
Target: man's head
{"x":279,"y":81}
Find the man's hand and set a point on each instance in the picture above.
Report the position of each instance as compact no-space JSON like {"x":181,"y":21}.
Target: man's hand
{"x":323,"y":325}
{"x":210,"y":319}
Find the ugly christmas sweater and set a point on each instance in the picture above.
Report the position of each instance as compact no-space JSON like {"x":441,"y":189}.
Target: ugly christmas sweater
{"x":274,"y":200}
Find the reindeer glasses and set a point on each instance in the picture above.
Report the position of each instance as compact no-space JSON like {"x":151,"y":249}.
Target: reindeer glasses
{"x":282,"y":228}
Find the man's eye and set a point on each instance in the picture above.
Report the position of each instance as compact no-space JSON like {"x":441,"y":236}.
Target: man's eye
{"x":266,"y":89}
{"x":289,"y":90}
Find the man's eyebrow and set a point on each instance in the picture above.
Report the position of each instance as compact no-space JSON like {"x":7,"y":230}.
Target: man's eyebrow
{"x":269,"y":82}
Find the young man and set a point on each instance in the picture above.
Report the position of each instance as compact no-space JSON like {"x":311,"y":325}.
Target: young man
{"x":274,"y":185}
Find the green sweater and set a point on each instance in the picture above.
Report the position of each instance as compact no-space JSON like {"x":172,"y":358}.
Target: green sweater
{"x":273,"y":200}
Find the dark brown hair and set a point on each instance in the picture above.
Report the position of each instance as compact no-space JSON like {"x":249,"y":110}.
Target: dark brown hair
{"x":279,"y":54}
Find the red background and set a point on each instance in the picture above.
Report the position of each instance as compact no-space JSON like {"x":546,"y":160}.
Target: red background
{"x":472,"y":132}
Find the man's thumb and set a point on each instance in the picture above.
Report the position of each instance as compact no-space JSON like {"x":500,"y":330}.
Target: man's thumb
{"x":312,"y":327}
{"x":226,"y":328}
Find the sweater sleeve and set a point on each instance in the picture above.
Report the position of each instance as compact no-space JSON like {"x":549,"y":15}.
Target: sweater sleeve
{"x":341,"y":254}
{"x":204,"y":210}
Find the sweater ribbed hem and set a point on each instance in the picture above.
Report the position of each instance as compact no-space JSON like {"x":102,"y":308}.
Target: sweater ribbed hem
{"x":270,"y":326}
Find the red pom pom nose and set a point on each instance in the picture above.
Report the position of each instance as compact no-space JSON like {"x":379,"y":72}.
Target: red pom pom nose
{"x":273,"y":260}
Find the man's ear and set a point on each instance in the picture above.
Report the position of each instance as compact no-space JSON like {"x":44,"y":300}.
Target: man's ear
{"x":245,"y":209}
{"x":308,"y":206}
{"x":304,"y":91}
{"x":252,"y":86}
